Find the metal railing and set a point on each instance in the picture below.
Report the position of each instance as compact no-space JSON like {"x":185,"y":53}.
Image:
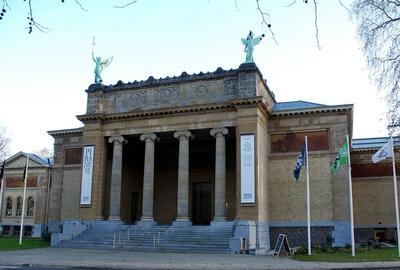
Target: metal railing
{"x":119,"y":241}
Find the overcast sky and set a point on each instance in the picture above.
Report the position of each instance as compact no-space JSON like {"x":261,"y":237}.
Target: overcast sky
{"x":43,"y":76}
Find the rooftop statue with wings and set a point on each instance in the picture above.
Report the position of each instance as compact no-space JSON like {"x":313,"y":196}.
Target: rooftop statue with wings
{"x":249,"y":44}
{"x":100,"y":65}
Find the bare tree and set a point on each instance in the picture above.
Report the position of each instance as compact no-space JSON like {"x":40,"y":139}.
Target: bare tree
{"x":378,"y":24}
{"x":4,"y":144}
{"x":45,"y":152}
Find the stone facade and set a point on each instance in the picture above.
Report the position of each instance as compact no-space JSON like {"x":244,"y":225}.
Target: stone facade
{"x":36,"y":205}
{"x":374,"y":214}
{"x":160,"y":143}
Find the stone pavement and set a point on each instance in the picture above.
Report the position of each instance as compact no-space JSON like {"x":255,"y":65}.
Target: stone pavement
{"x":62,"y":257}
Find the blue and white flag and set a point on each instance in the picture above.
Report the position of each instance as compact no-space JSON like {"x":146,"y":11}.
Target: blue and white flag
{"x":300,"y":162}
{"x":384,"y":152}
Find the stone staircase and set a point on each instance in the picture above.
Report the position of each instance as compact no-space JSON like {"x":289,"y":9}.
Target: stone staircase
{"x":201,"y":239}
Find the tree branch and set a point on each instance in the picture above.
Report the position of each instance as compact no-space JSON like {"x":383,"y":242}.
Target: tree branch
{"x":264,"y":20}
{"x":33,"y":22}
{"x":80,"y":5}
{"x":127,"y":4}
{"x":316,"y":23}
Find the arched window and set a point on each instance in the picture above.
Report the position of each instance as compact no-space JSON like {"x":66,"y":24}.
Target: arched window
{"x":31,"y":207}
{"x":9,"y":206}
{"x":19,"y":207}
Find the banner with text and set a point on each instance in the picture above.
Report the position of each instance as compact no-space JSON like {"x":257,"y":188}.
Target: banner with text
{"x":247,"y":169}
{"x":87,"y":174}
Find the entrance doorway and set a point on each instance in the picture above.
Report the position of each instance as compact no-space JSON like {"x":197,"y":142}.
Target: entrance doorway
{"x":201,"y":214}
{"x":134,"y":206}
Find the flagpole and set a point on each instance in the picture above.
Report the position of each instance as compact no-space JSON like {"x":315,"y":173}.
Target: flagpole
{"x":308,"y":201}
{"x":396,"y":199}
{"x":353,"y":250}
{"x":21,"y":230}
{"x":1,"y":193}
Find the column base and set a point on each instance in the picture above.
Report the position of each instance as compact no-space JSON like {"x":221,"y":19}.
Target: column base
{"x":218,"y":219}
{"x":114,"y":218}
{"x":146,"y":222}
{"x":182,"y":222}
{"x":219,"y":223}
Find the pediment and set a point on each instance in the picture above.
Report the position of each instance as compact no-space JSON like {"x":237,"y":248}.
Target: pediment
{"x":19,"y":161}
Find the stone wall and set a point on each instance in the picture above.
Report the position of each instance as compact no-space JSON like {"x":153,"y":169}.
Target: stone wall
{"x":297,"y":236}
{"x":65,"y":183}
{"x":328,"y":192}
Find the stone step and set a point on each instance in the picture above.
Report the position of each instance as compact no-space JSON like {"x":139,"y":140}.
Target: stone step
{"x":150,"y":249}
{"x":151,"y":241}
{"x":169,"y":248}
{"x":142,"y":244}
{"x":175,"y":239}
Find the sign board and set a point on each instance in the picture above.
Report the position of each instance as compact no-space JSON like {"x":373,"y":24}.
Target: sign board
{"x":247,"y":169}
{"x":87,"y":175}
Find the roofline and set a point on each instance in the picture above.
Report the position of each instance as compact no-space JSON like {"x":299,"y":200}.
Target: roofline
{"x":371,"y":138}
{"x":319,"y":109}
{"x":61,"y":132}
{"x":31,"y":156}
{"x":300,"y":100}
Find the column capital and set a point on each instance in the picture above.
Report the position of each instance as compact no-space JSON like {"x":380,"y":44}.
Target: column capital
{"x":184,"y":134}
{"x":216,"y":132}
{"x":148,"y":137}
{"x":117,"y":139}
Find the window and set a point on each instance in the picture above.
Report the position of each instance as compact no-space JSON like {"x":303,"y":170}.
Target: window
{"x":9,"y":207}
{"x":31,"y":207}
{"x":294,"y":141}
{"x":6,"y":230}
{"x":18,"y":213}
{"x":73,"y":156}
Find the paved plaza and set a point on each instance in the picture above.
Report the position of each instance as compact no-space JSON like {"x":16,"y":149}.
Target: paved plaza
{"x":76,"y":258}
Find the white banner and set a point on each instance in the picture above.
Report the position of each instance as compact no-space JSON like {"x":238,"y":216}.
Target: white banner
{"x":87,"y":173}
{"x":247,"y":169}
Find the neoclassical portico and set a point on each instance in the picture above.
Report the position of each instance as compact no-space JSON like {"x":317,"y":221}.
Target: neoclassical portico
{"x":183,"y":189}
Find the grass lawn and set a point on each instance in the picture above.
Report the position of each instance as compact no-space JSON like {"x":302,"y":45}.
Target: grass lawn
{"x":373,"y":255}
{"x":10,"y":243}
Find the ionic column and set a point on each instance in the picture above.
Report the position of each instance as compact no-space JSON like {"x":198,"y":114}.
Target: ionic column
{"x":148,"y":177}
{"x":183,"y":176}
{"x":116,"y":178}
{"x":220,"y":173}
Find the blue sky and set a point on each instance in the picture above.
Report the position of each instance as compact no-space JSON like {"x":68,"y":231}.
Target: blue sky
{"x":43,"y":75}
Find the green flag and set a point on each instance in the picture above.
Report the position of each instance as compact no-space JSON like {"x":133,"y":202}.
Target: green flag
{"x":341,"y":158}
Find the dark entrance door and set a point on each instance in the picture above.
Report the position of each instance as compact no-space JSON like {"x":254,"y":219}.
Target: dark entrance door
{"x":201,"y":214}
{"x":134,"y":206}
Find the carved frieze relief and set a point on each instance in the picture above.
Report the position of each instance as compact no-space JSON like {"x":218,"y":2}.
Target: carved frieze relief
{"x":168,"y":95}
{"x":230,"y":88}
{"x":136,"y":99}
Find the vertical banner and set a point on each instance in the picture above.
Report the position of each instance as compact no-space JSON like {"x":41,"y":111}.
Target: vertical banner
{"x":87,"y":175}
{"x":247,"y":169}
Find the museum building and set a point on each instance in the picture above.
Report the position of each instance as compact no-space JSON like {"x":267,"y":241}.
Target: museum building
{"x":212,"y":150}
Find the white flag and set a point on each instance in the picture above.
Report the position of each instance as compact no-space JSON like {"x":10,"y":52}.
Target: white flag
{"x":384,"y":152}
